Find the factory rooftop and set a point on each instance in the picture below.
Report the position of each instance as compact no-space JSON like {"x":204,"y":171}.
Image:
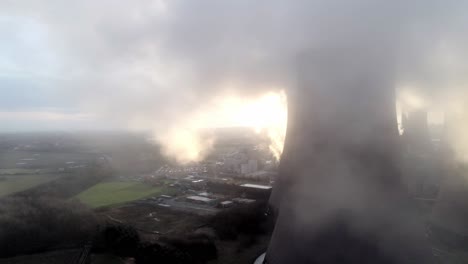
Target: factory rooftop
{"x":256,"y":186}
{"x":200,"y":199}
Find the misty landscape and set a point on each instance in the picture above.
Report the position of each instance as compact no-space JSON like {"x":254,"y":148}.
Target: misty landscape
{"x":217,"y":131}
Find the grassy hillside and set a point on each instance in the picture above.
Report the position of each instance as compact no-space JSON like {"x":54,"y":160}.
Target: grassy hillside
{"x":117,"y":192}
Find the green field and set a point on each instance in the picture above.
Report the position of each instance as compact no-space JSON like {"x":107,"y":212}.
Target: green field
{"x":117,"y":192}
{"x":19,"y":171}
{"x":42,"y":160}
{"x":16,"y":183}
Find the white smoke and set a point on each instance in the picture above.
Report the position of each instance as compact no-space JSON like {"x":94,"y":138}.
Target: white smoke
{"x":159,"y":64}
{"x":186,"y":139}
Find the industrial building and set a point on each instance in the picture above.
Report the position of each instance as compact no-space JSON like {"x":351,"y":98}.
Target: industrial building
{"x":200,"y":199}
{"x":256,"y":186}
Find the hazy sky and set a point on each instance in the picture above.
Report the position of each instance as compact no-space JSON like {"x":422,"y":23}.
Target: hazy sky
{"x":118,"y":64}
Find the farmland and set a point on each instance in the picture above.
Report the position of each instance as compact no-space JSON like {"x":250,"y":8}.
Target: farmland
{"x":118,"y":192}
{"x":25,"y":170}
{"x":41,"y":160}
{"x":16,"y":183}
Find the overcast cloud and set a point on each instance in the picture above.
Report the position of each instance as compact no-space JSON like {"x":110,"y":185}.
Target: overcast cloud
{"x":121,"y":61}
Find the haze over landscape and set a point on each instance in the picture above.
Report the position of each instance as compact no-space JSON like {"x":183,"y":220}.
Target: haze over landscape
{"x":186,"y":114}
{"x":151,"y":64}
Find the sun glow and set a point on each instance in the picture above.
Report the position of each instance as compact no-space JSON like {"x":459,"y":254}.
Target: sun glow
{"x":265,"y":114}
{"x":410,"y":100}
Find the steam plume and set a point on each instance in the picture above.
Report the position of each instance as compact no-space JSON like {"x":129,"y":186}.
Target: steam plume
{"x":160,"y":60}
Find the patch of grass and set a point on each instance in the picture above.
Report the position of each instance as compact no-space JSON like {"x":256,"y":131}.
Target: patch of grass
{"x":20,"y":171}
{"x":16,"y":171}
{"x":16,"y":183}
{"x":43,"y":159}
{"x":117,"y":192}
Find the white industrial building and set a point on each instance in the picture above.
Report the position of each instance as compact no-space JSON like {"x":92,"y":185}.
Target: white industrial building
{"x":200,"y":199}
{"x":243,"y":200}
{"x":256,"y":186}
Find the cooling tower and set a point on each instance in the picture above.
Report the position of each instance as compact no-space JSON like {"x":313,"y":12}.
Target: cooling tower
{"x":450,"y":213}
{"x":339,"y":196}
